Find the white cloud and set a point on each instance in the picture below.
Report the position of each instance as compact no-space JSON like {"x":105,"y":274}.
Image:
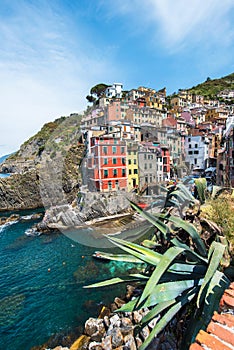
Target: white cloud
{"x":46,"y":69}
{"x":176,"y":24}
{"x":193,"y":21}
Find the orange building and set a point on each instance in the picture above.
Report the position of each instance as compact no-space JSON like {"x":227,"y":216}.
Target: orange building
{"x":107,"y":164}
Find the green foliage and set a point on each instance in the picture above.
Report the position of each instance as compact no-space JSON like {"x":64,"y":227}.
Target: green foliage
{"x":179,"y":271}
{"x":201,"y":188}
{"x":90,"y":98}
{"x":211,"y":87}
{"x":98,"y":89}
{"x":221,"y":212}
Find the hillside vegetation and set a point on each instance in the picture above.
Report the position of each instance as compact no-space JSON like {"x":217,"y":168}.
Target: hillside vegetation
{"x":211,"y":87}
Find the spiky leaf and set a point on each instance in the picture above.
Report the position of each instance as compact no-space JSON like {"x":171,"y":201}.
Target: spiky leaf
{"x":138,"y":251}
{"x":166,"y":260}
{"x":154,"y":221}
{"x":217,"y":251}
{"x":189,"y":228}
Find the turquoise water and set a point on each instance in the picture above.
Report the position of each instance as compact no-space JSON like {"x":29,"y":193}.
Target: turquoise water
{"x":4,"y":175}
{"x":41,"y":281}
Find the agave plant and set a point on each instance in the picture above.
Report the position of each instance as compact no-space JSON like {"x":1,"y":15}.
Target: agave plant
{"x":181,"y":271}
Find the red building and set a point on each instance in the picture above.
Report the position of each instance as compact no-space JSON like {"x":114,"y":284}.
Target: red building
{"x":107,"y":164}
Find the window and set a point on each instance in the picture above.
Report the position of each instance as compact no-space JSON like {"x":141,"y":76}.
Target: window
{"x":129,"y":162}
{"x":105,"y":150}
{"x":195,"y":161}
{"x":196,"y":145}
{"x":109,"y":185}
{"x":135,"y":171}
{"x":189,"y":146}
{"x":105,"y":161}
{"x":114,"y":172}
{"x":190,"y":152}
{"x":145,"y":167}
{"x":144,"y":156}
{"x":123,"y":161}
{"x":123,"y":172}
{"x":164,"y":169}
{"x":122,"y":150}
{"x":150,"y":165}
{"x":105,"y":173}
{"x":189,"y":139}
{"x":146,"y":179}
{"x":134,"y":153}
{"x":114,"y":161}
{"x":134,"y":161}
{"x":196,"y":152}
{"x":130,"y":172}
{"x":113,"y":149}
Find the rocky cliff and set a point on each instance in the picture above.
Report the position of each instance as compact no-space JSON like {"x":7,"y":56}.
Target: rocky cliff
{"x":54,"y":150}
{"x":20,"y":192}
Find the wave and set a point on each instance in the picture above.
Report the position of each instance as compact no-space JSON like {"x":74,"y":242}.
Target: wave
{"x":4,"y":226}
{"x":32,"y":232}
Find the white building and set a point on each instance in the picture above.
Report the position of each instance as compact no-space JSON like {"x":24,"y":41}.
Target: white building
{"x":114,"y":91}
{"x":196,"y":151}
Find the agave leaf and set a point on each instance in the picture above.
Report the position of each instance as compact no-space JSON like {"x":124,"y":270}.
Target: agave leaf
{"x":217,"y":285}
{"x":180,"y":196}
{"x":183,"y":268}
{"x":170,"y":290}
{"x":201,"y":188}
{"x":178,"y":243}
{"x":117,"y":257}
{"x":187,"y":193}
{"x":167,"y":318}
{"x":163,"y":265}
{"x":217,"y":250}
{"x":111,"y":281}
{"x":150,"y":244}
{"x":156,"y":310}
{"x":139,"y":276}
{"x":129,"y":307}
{"x":144,"y":254}
{"x":189,"y":228}
{"x":215,"y":191}
{"x":157,"y":223}
{"x":202,"y":317}
{"x":162,"y":293}
{"x":172,"y":203}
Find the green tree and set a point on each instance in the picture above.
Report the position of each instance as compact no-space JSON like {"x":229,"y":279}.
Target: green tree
{"x":90,"y":98}
{"x":98,"y":89}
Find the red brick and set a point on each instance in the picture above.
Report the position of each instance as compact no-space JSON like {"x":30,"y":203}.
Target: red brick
{"x":211,"y":341}
{"x":195,"y":346}
{"x":228,"y":300}
{"x":220,"y":332}
{"x":230,"y":292}
{"x":226,"y":319}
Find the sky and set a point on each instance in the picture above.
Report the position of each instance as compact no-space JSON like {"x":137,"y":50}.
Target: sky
{"x":53,"y":52}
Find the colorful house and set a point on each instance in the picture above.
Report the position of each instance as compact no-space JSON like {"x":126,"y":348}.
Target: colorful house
{"x":106,"y":164}
{"x":132,"y":165}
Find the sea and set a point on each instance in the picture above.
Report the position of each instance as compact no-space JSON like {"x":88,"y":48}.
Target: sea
{"x":4,"y":175}
{"x":41,"y":285}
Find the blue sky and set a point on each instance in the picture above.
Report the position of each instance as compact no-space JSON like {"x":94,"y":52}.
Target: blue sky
{"x":52,"y":52}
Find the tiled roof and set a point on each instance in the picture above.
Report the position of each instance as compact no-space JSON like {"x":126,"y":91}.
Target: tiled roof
{"x":219,"y":334}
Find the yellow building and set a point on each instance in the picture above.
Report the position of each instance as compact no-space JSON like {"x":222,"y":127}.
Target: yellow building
{"x":132,"y":166}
